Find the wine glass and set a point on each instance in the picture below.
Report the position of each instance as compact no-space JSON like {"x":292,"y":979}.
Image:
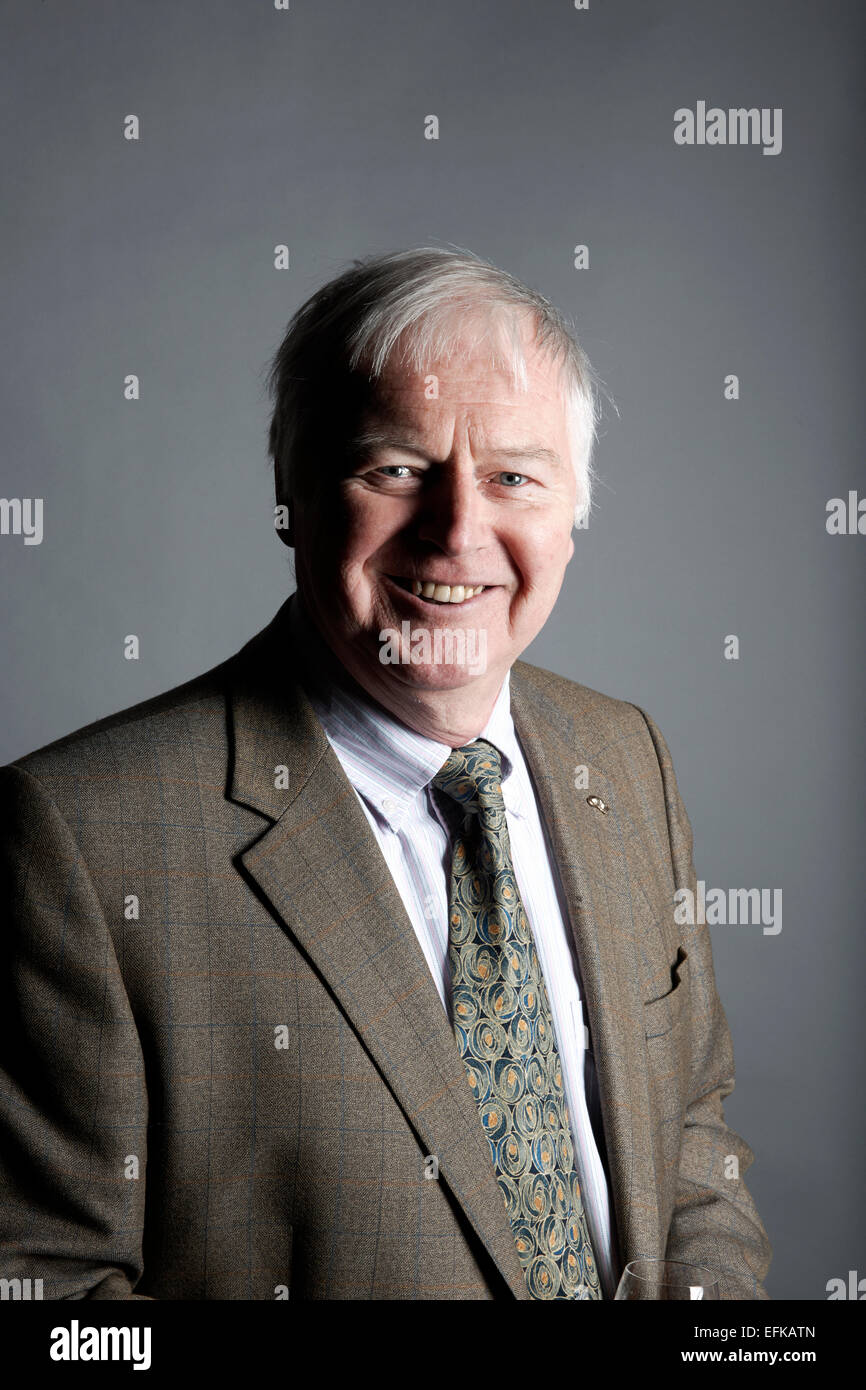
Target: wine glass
{"x":663,"y":1280}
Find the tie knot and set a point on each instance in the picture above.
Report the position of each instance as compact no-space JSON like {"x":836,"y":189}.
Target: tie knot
{"x":472,"y":776}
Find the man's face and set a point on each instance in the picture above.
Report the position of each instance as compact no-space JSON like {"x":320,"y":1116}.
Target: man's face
{"x":471,"y":486}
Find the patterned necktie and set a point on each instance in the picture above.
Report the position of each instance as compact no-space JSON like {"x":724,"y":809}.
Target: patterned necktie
{"x":504,"y":1029}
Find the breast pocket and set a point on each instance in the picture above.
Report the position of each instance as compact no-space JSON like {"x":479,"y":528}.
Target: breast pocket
{"x":668,"y":1011}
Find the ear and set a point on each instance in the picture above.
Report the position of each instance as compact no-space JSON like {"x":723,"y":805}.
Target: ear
{"x":570,"y":547}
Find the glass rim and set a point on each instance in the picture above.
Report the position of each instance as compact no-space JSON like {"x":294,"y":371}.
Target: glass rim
{"x":662,"y":1264}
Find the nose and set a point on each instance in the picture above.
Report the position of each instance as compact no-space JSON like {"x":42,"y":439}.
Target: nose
{"x":454,"y":516}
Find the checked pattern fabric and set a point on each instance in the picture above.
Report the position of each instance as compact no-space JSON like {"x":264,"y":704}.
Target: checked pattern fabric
{"x":504,"y":1029}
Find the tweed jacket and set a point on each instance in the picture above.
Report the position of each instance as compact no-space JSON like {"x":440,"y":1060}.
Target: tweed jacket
{"x":224,"y":1064}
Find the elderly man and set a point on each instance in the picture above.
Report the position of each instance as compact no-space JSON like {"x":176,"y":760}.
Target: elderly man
{"x":351,"y":968}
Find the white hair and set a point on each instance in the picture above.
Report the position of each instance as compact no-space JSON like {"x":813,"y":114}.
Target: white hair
{"x":423,"y":305}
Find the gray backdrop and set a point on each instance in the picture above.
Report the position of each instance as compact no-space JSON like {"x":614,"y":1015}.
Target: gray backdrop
{"x":556,"y":129}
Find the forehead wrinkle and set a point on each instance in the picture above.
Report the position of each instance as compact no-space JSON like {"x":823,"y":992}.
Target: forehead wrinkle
{"x":397,"y":406}
{"x":368,"y":440}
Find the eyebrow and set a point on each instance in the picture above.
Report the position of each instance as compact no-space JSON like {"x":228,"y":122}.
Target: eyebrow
{"x":368,"y":440}
{"x":528,"y":451}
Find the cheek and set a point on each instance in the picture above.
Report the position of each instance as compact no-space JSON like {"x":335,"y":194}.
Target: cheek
{"x":540,"y":557}
{"x":366,"y":525}
{"x":339,"y":544}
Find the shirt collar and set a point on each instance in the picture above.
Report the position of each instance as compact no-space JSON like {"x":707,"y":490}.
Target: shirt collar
{"x":388,"y":763}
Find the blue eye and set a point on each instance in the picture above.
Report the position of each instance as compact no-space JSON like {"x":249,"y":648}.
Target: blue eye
{"x":386,"y":466}
{"x":519,"y":476}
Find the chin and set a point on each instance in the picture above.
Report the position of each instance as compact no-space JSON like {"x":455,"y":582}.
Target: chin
{"x":429,"y":677}
{"x":437,"y":677}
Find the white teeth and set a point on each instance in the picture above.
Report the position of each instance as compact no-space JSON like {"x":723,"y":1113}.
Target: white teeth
{"x":445,"y":593}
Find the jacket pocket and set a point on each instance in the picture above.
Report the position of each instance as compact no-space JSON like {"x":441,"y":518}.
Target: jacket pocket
{"x":668,"y":1011}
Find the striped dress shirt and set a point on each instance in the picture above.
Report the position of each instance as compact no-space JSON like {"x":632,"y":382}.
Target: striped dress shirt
{"x":390,"y":767}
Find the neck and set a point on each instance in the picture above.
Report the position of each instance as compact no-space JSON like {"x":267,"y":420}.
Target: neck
{"x":452,"y":717}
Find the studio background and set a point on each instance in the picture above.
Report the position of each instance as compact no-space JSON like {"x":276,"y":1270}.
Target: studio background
{"x":306,"y":128}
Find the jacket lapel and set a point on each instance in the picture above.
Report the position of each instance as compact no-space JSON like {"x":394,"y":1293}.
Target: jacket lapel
{"x":601,"y":865}
{"x":319,"y":867}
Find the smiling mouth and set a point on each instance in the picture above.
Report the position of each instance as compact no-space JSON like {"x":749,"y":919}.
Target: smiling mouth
{"x":438,"y":593}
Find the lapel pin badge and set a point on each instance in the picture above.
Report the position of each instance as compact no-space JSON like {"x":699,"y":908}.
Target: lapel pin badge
{"x":597,"y":804}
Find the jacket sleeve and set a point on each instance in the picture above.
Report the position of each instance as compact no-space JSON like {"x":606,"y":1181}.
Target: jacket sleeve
{"x":714,"y":1220}
{"x":73,"y":1102}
